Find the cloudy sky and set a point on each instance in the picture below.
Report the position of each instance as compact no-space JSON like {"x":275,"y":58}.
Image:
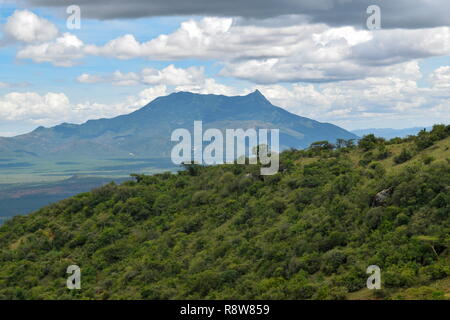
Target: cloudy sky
{"x":315,"y":58}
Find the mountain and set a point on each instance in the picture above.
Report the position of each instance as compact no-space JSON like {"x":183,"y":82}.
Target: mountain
{"x":388,"y":133}
{"x":147,"y":131}
{"x":225,"y":232}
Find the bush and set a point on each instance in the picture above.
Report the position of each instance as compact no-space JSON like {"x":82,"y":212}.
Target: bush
{"x":370,"y":142}
{"x":404,"y":156}
{"x":428,"y":159}
{"x":332,"y":260}
{"x":200,"y":197}
{"x":382,"y":153}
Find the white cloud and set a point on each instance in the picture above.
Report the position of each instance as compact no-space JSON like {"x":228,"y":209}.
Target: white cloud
{"x":178,"y":79}
{"x":440,"y":78}
{"x":211,"y":86}
{"x":400,"y":45}
{"x":337,"y":54}
{"x":305,"y":52}
{"x":31,"y":106}
{"x":194,"y":39}
{"x":30,"y":109}
{"x":63,"y":52}
{"x":372,"y":102}
{"x":25,"y":26}
{"x":117,"y":78}
{"x":258,"y":53}
{"x":303,"y":100}
{"x":171,"y":76}
{"x":147,"y":95}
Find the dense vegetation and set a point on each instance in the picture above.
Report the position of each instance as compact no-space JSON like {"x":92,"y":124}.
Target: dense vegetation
{"x":220,"y":232}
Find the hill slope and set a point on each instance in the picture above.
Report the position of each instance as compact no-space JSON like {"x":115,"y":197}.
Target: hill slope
{"x":146,"y":132}
{"x":308,"y":232}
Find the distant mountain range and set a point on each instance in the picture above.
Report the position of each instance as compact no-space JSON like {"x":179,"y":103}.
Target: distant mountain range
{"x":147,"y":131}
{"x":388,"y":133}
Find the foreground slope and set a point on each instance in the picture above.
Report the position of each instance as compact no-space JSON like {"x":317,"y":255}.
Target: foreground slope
{"x":147,"y":131}
{"x":308,"y":232}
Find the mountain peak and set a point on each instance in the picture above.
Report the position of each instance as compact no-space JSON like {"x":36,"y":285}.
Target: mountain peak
{"x":257,"y":95}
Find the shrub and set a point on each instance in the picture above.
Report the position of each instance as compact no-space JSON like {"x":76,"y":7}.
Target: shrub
{"x":200,"y":197}
{"x":370,"y":142}
{"x":404,"y":156}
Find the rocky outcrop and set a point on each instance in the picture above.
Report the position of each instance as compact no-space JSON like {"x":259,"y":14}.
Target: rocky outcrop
{"x":382,"y":197}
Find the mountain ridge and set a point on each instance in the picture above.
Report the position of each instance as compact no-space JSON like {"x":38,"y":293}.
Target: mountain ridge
{"x":147,"y":131}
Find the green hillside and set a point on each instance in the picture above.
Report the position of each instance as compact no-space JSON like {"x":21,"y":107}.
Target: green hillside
{"x":225,"y":232}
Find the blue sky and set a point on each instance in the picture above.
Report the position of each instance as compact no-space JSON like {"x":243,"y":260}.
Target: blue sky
{"x":333,"y":71}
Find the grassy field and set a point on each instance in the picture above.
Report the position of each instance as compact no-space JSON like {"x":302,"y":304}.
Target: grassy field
{"x":27,"y":184}
{"x":35,"y":170}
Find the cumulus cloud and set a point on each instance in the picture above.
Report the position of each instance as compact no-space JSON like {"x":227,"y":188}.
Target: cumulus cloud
{"x":117,"y":78}
{"x":63,"y":52}
{"x":146,"y":96}
{"x":170,"y":76}
{"x":395,"y":14}
{"x":394,"y":46}
{"x":344,"y":54}
{"x":207,"y":38}
{"x":308,"y":52}
{"x":32,"y":109}
{"x":440,"y":78}
{"x":27,"y":27}
{"x":31,"y":106}
{"x":219,"y":38}
{"x":372,"y":102}
{"x":258,"y":53}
